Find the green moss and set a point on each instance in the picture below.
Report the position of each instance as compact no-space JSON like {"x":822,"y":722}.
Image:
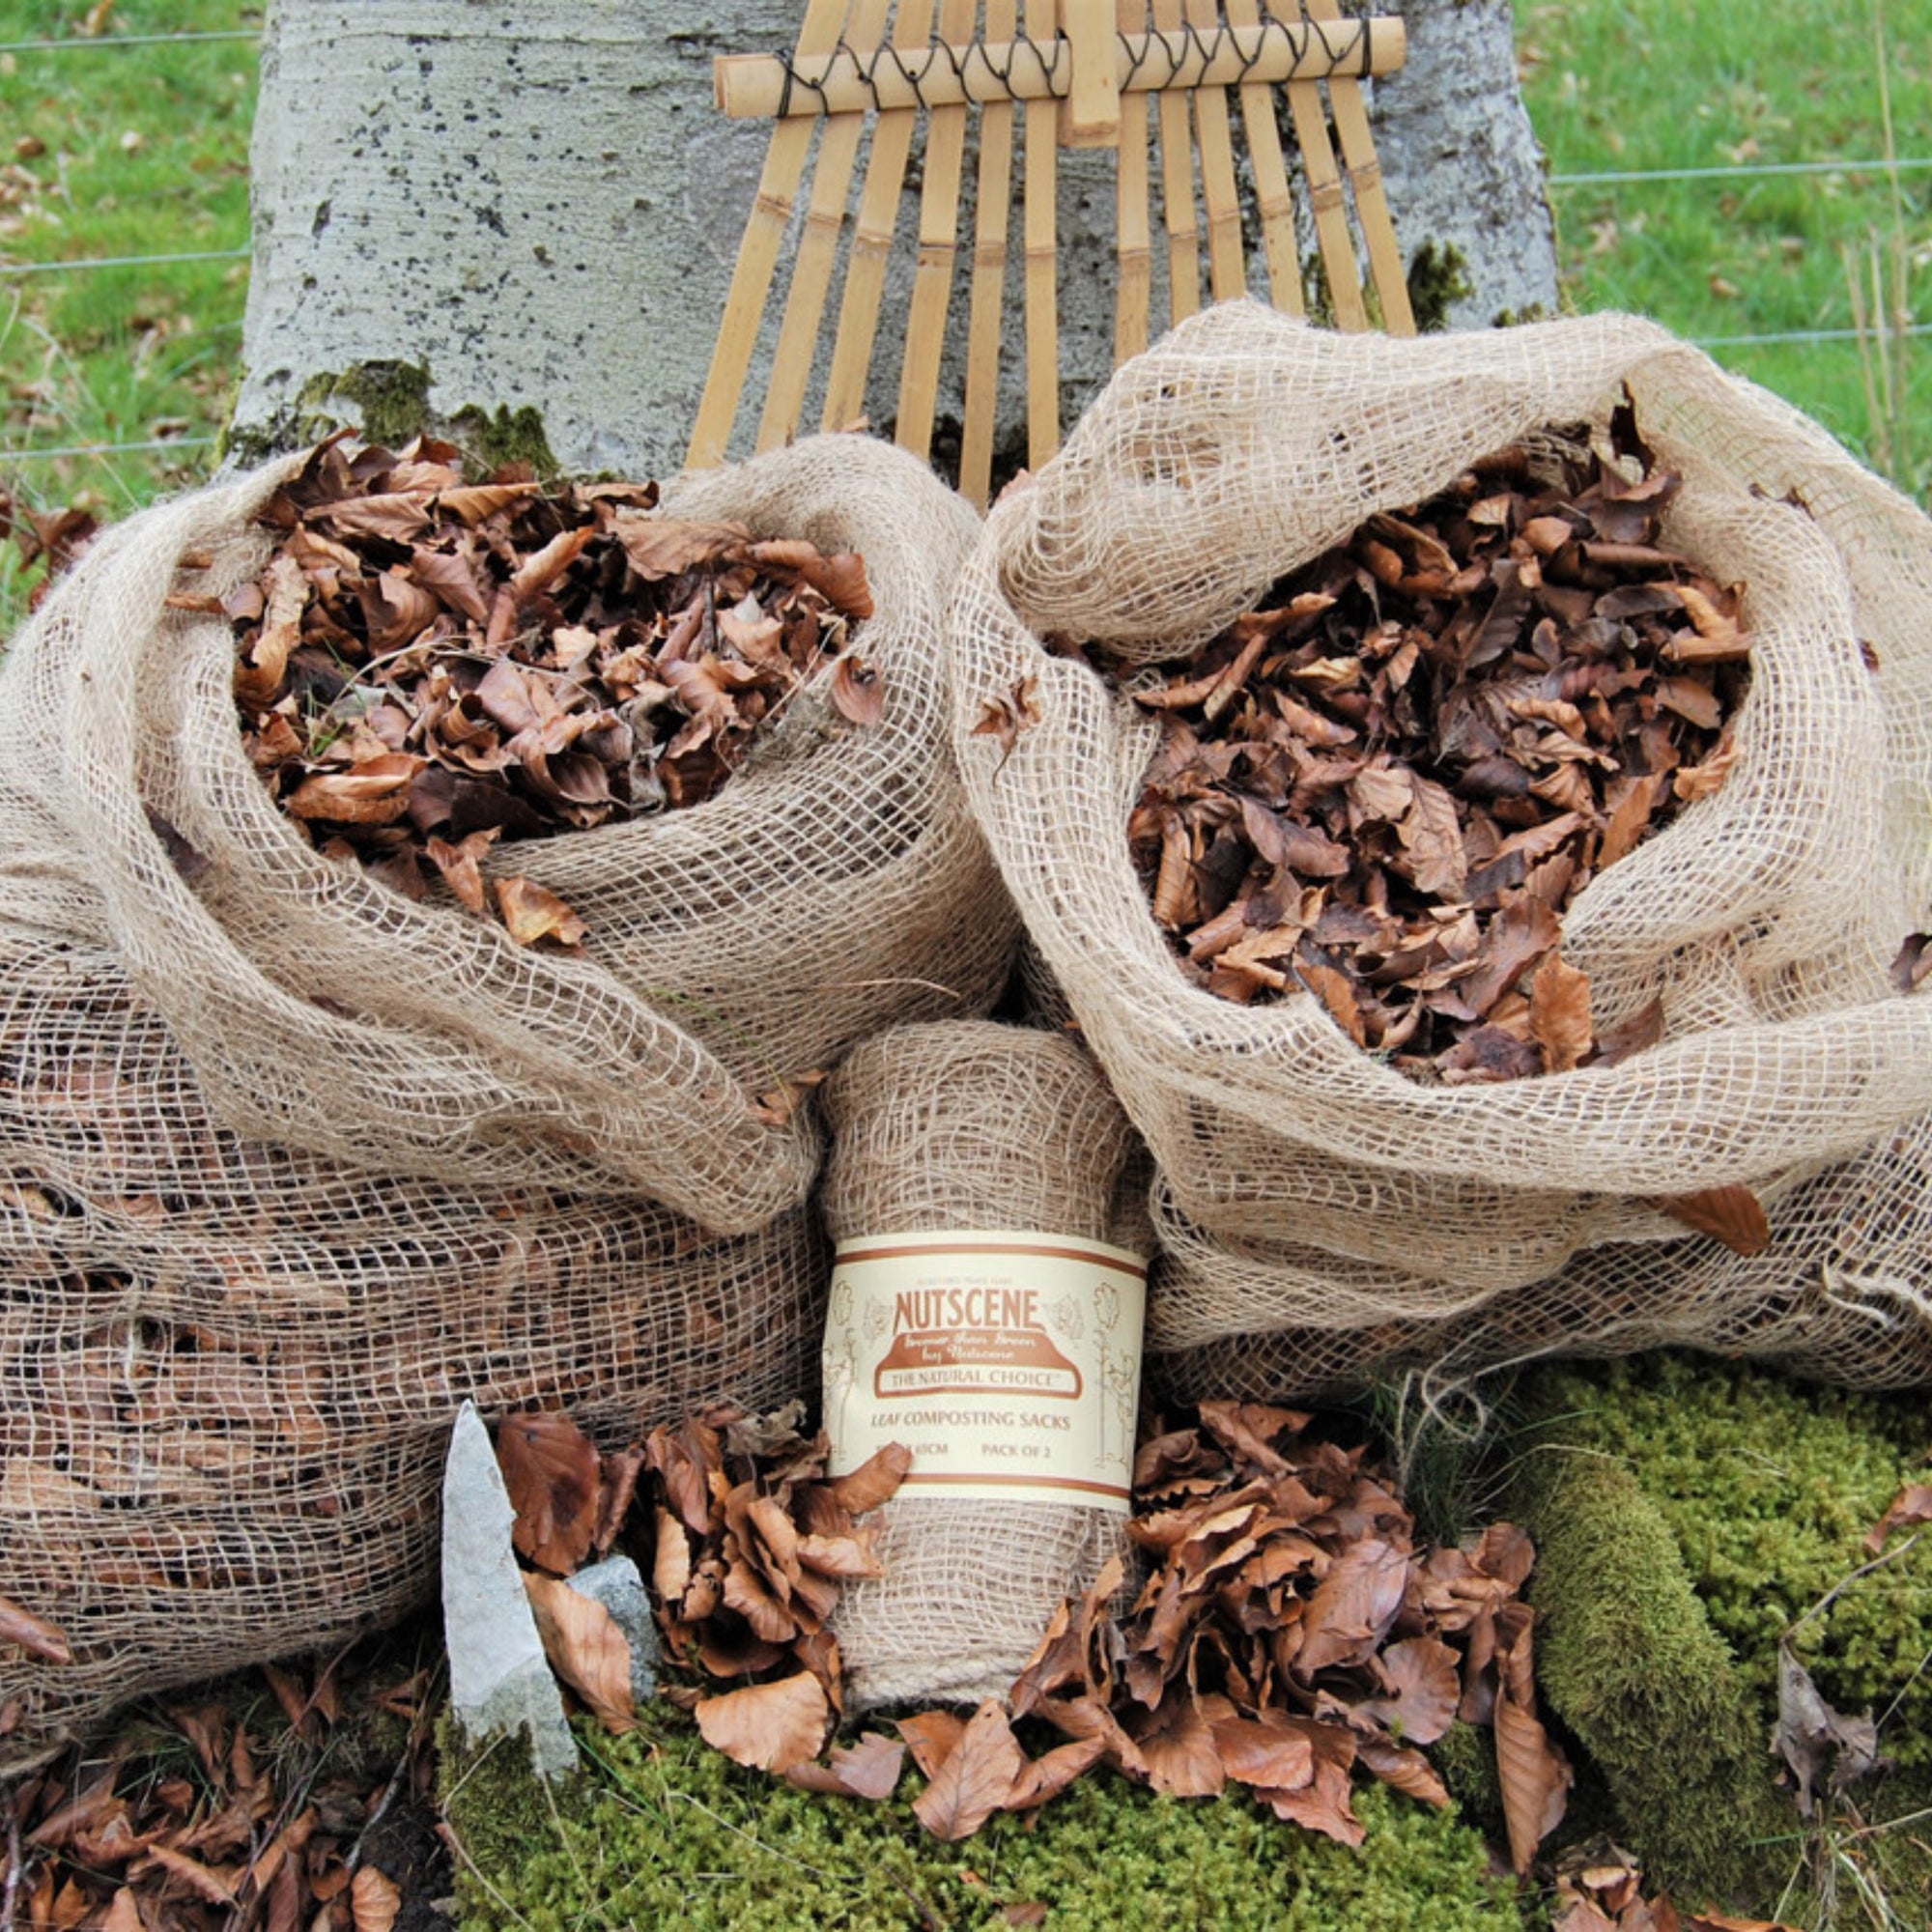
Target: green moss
{"x":1439,"y":277}
{"x":663,"y":1831}
{"x":391,"y":398}
{"x":389,"y":403}
{"x":1687,"y":1513}
{"x":1628,"y":1662}
{"x":504,"y":436}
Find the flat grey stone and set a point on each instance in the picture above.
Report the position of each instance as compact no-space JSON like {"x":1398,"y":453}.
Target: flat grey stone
{"x":616,"y":1584}
{"x":499,"y":1680}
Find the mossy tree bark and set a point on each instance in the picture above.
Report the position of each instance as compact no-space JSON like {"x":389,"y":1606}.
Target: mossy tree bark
{"x":531,"y":214}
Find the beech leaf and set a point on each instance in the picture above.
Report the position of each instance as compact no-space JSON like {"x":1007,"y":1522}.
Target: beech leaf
{"x":876,"y":1479}
{"x":1733,"y":1216}
{"x":585,"y":1648}
{"x":532,"y":914}
{"x":34,"y":1635}
{"x":550,"y":1471}
{"x":868,"y":1769}
{"x":768,"y":1727}
{"x":975,"y":1780}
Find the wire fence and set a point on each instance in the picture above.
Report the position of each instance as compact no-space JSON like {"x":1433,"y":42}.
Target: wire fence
{"x":1623,"y":178}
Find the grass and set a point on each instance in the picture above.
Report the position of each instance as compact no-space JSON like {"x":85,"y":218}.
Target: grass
{"x":110,"y":151}
{"x":1641,"y":85}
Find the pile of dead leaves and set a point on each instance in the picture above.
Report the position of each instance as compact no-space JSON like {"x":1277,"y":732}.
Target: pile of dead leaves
{"x":1385,"y":785}
{"x":748,"y":1540}
{"x":1600,"y":1889}
{"x":1291,"y":1632}
{"x":426,"y":666}
{"x":212,"y":1819}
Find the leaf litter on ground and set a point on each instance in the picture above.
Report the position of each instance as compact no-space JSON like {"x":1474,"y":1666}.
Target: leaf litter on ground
{"x":1287,"y":1630}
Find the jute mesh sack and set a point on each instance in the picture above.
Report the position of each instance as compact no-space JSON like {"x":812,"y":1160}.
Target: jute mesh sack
{"x":1765,"y":918}
{"x":833,"y":887}
{"x":228,"y":1368}
{"x":1842,"y":1295}
{"x":970,"y":1125}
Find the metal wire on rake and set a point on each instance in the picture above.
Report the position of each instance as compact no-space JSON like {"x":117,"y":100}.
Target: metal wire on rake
{"x":1087,"y":73}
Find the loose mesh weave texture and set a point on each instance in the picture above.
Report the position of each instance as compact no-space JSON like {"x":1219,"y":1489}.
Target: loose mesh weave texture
{"x":835,"y":886}
{"x":970,"y":1125}
{"x":228,"y":1368}
{"x":1765,"y":918}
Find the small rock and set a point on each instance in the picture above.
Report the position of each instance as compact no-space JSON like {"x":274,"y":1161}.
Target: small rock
{"x":616,"y":1584}
{"x":499,"y":1680}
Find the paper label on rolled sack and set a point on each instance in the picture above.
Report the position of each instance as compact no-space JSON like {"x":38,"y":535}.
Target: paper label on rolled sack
{"x":1008,"y":1362}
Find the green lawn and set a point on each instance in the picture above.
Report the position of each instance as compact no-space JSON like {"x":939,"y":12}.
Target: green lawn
{"x":1639,"y":85}
{"x":115,"y":151}
{"x":111,"y":150}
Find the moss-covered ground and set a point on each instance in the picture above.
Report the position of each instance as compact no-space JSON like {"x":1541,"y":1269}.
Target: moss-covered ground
{"x":1688,"y":1514}
{"x":661,"y":1831}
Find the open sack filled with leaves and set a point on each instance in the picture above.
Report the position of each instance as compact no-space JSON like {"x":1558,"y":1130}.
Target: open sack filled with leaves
{"x":228,"y":1368}
{"x":371,"y":776}
{"x":1470,"y":792}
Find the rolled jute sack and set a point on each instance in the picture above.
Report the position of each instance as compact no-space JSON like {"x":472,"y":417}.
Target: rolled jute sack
{"x":228,"y":1369}
{"x":1764,"y":918}
{"x":322,"y":1010}
{"x":972,"y":1129}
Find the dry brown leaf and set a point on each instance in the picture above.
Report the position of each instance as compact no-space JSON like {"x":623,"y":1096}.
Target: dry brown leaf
{"x":1180,"y":1752}
{"x":34,"y":1635}
{"x":374,"y":1900}
{"x":124,"y":1914}
{"x":876,"y":1479}
{"x":1003,"y":716}
{"x":1908,"y":1509}
{"x":460,"y":865}
{"x":660,"y":547}
{"x":585,"y":1648}
{"x":551,"y":1471}
{"x":975,"y":1780}
{"x":932,"y":1736}
{"x":375,"y":791}
{"x":1733,"y":1216}
{"x":532,"y":914}
{"x":768,"y":1727}
{"x":1533,"y":1774}
{"x":202,"y":1880}
{"x":857,"y":692}
{"x":1559,"y":1014}
{"x":1046,"y":1777}
{"x":1353,"y":1606}
{"x":868,"y":1769}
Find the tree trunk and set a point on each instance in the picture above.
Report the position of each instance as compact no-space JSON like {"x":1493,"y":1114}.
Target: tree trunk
{"x":519,"y":224}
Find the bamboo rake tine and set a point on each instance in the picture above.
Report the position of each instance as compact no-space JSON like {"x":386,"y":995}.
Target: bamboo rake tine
{"x":817,"y":248}
{"x":1227,"y":263}
{"x":1325,"y":193}
{"x":987,"y":309}
{"x":872,"y":238}
{"x":938,"y":246}
{"x":1176,"y":189}
{"x":1365,"y":177}
{"x":757,"y":257}
{"x":1134,"y":238}
{"x":1275,"y":203}
{"x":1042,"y":257}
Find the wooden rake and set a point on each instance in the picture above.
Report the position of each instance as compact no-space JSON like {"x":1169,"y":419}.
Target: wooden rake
{"x":1069,"y":74}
